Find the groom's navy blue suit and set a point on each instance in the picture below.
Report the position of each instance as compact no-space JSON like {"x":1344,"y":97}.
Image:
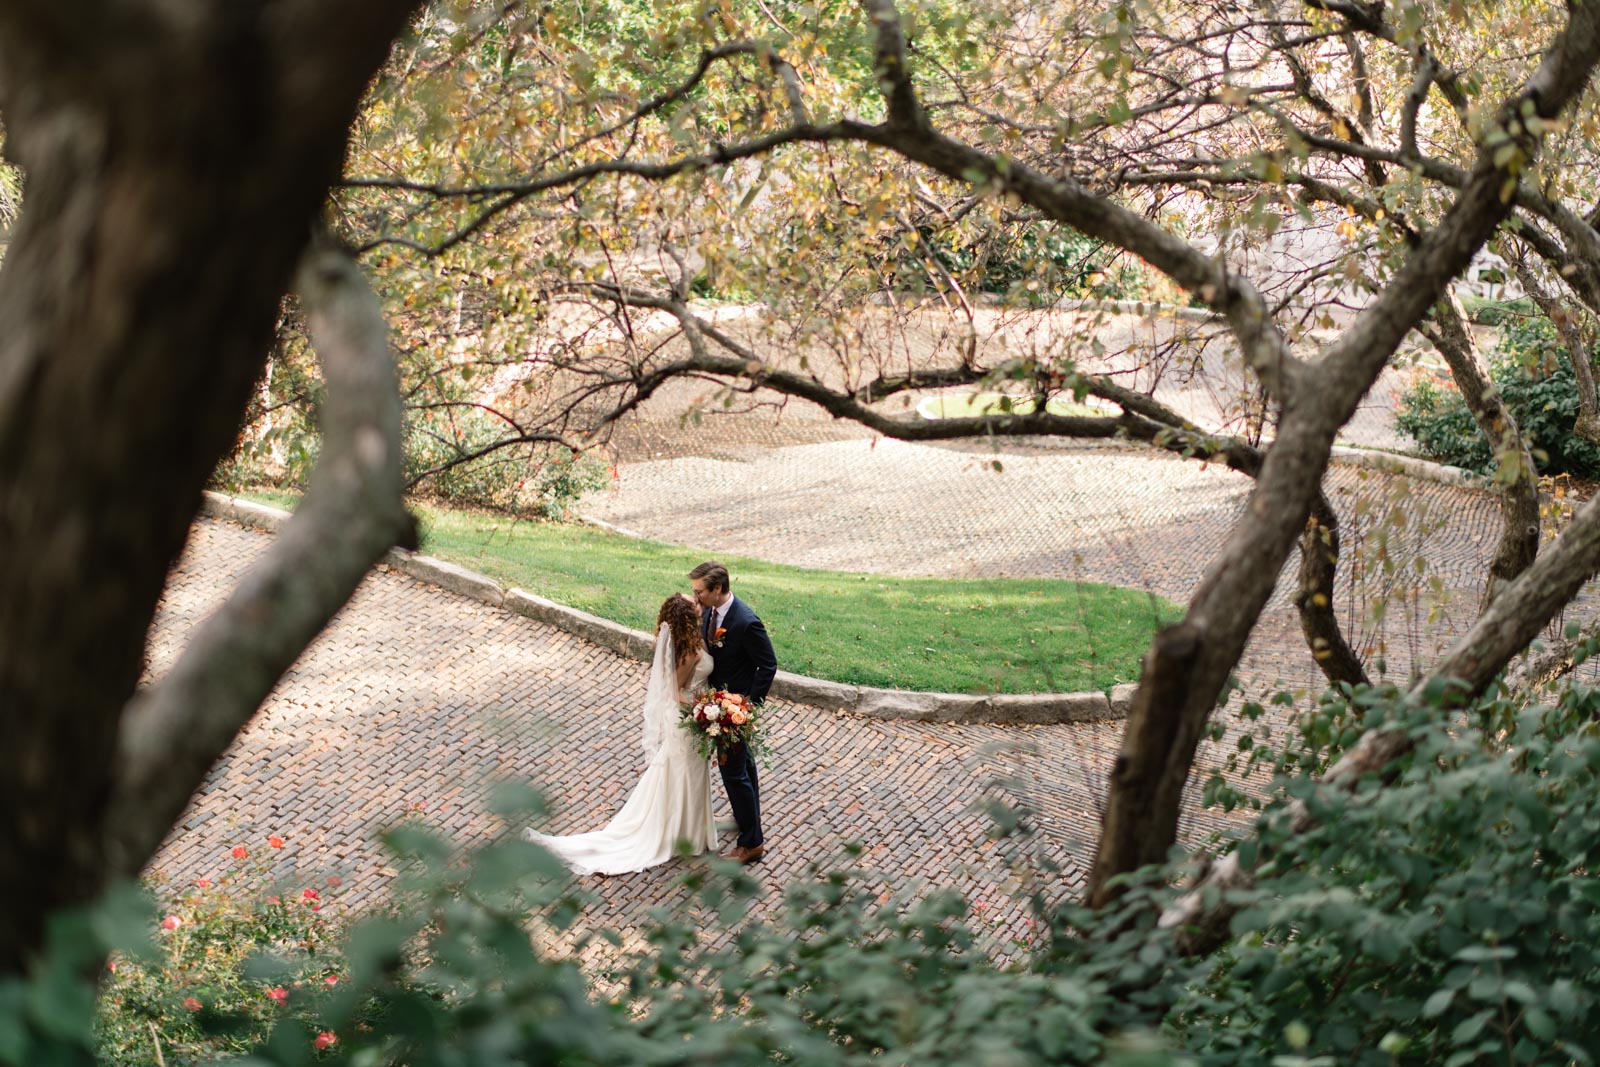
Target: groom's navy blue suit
{"x":742,"y":662}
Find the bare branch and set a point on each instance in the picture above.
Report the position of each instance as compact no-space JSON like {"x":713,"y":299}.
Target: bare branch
{"x":1415,"y":97}
{"x":511,"y":193}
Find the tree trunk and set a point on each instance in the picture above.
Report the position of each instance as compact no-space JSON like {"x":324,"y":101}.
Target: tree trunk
{"x":1568,"y":325}
{"x":176,"y":158}
{"x":1514,"y":471}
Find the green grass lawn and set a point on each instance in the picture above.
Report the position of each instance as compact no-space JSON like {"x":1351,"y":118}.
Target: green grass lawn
{"x":937,"y":634}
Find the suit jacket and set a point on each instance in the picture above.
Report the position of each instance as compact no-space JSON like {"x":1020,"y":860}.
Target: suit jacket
{"x":745,"y":663}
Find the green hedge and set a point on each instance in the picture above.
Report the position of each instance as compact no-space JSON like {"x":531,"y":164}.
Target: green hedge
{"x":1534,"y":374}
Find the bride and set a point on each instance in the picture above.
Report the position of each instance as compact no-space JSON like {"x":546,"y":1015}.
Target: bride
{"x":670,"y":808}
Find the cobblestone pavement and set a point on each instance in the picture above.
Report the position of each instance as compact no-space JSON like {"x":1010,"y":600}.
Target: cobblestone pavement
{"x":416,"y":701}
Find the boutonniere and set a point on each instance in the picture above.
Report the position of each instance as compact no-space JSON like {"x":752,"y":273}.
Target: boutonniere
{"x":716,"y":638}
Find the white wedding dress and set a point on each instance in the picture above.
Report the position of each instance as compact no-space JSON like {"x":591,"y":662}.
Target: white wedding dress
{"x":670,"y":807}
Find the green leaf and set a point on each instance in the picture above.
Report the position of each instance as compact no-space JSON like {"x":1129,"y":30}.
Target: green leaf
{"x":1485,"y":953}
{"x":62,"y":1005}
{"x":122,"y":921}
{"x":1471,"y":1027}
{"x":1437,"y":1004}
{"x":1563,"y":999}
{"x":1522,"y":992}
{"x":1539,"y":1024}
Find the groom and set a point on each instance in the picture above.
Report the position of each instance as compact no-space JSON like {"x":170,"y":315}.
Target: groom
{"x":742,"y":662}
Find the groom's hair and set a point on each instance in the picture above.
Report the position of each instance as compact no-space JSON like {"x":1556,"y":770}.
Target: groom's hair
{"x":713,"y":574}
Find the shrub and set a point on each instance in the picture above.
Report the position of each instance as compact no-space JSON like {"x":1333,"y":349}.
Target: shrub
{"x":1434,"y":414}
{"x":1443,"y":913}
{"x":233,"y":958}
{"x":1447,"y":916}
{"x":437,"y":442}
{"x":1497,"y":312}
{"x":1534,"y":375}
{"x":526,"y":479}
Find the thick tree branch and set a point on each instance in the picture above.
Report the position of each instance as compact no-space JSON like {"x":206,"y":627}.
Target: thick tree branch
{"x":1140,"y":821}
{"x":1516,"y":617}
{"x":352,"y":514}
{"x":1064,"y":200}
{"x":889,"y":64}
{"x":1426,"y":69}
{"x":1540,"y":668}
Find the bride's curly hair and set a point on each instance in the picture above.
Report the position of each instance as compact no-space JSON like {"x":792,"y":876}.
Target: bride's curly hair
{"x":682,"y":617}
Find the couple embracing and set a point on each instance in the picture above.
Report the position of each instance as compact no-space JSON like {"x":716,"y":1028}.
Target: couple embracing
{"x":711,"y":638}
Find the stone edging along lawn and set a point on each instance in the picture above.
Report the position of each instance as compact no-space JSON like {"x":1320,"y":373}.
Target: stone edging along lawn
{"x":833,"y":696}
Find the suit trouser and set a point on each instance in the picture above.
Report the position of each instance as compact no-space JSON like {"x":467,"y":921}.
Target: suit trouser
{"x":744,"y":795}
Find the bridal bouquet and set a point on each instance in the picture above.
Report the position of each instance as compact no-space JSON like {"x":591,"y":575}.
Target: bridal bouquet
{"x":718,"y":720}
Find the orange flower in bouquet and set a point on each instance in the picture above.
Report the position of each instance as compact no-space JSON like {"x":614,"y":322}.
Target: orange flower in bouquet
{"x":718,"y":720}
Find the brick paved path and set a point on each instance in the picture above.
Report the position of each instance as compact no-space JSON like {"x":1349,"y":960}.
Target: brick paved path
{"x":416,"y":701}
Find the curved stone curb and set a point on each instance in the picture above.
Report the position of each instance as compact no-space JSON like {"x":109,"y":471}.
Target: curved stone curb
{"x":892,"y":704}
{"x":591,"y":628}
{"x":243,"y":512}
{"x":1411,"y":467}
{"x":1139,"y":307}
{"x":447,"y":576}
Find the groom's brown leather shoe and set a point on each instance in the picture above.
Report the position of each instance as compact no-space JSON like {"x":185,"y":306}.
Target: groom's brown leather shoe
{"x":748,"y":856}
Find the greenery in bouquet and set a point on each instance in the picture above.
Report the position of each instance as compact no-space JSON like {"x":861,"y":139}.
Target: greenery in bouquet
{"x":718,"y":720}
